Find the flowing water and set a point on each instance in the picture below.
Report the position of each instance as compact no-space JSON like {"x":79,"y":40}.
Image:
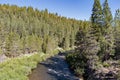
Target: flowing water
{"x":54,"y":68}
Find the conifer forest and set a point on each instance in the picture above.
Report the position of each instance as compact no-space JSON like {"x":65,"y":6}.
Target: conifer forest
{"x":30,"y":37}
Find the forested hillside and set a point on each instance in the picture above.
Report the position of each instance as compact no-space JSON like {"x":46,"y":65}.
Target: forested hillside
{"x":26,"y":30}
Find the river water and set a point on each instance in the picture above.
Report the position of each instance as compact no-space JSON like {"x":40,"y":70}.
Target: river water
{"x":54,"y":68}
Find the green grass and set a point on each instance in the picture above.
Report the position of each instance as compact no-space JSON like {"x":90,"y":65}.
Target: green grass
{"x":20,"y":68}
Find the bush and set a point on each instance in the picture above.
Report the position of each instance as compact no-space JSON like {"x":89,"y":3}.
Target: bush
{"x":105,"y":64}
{"x":79,"y":72}
{"x":77,"y":63}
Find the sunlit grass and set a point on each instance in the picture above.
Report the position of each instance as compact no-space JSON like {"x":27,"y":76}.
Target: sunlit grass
{"x":20,"y":68}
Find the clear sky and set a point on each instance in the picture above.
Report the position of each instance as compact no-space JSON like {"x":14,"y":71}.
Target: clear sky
{"x":78,"y":9}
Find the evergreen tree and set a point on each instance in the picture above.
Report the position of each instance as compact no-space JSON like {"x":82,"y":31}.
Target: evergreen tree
{"x":117,"y":18}
{"x":117,"y":33}
{"x":97,"y":19}
{"x":9,"y":44}
{"x":107,"y":39}
{"x":107,"y":13}
{"x":97,"y":23}
{"x":97,"y":15}
{"x":87,"y":49}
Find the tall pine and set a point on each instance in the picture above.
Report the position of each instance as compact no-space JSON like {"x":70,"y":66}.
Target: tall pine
{"x":107,"y":39}
{"x":117,"y":33}
{"x":96,"y":20}
{"x":107,"y":15}
{"x":96,"y":17}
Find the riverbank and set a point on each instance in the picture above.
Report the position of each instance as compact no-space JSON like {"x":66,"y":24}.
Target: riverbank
{"x":19,"y":68}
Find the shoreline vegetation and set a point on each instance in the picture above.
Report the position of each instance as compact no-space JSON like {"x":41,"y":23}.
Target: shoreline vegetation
{"x":19,"y":68}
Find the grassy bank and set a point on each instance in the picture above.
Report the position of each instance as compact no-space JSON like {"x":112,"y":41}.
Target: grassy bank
{"x":20,"y":68}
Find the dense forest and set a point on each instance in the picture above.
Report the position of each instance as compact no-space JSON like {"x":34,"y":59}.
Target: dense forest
{"x":94,"y":45}
{"x":97,"y":52}
{"x":27,"y":30}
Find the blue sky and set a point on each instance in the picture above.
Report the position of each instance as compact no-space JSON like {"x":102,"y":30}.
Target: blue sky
{"x":78,"y":9}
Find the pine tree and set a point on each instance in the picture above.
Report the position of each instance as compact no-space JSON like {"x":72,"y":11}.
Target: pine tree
{"x":9,"y":44}
{"x":117,"y":18}
{"x":94,"y":36}
{"x":97,"y":19}
{"x":87,"y":49}
{"x":107,"y":39}
{"x":97,"y":15}
{"x":97,"y":22}
{"x":117,"y":33}
{"x":107,"y":13}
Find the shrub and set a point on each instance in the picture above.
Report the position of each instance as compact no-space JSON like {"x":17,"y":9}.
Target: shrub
{"x":105,"y":64}
{"x":77,"y":63}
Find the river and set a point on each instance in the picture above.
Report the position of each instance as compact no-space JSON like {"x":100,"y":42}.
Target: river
{"x":54,"y":68}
